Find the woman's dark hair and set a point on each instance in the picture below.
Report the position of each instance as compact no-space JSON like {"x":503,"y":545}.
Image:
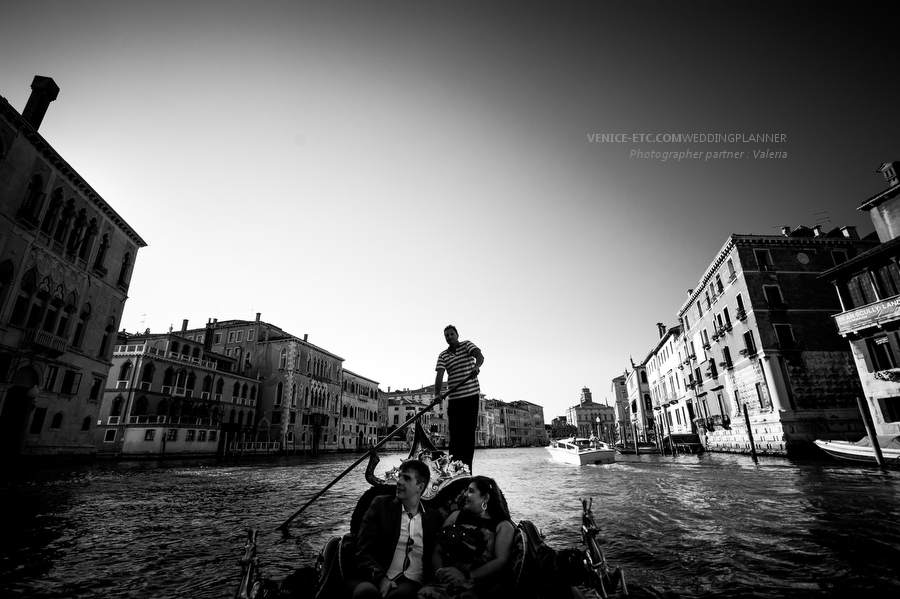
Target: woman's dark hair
{"x":496,"y":508}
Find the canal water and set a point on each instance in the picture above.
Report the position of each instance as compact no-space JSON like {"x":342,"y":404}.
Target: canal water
{"x":715,"y":525}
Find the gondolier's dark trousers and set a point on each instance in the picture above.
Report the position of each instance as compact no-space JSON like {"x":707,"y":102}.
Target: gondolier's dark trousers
{"x":462,"y":413}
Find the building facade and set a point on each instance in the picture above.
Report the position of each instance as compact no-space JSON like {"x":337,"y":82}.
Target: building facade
{"x":673,"y":413}
{"x":66,"y":260}
{"x":640,"y":406}
{"x":758,"y":335}
{"x":170,"y":396}
{"x":359,"y":412}
{"x":619,"y":389}
{"x":868,"y":289}
{"x":592,"y":419}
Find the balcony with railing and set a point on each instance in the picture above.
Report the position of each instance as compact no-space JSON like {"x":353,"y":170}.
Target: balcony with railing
{"x":43,"y":342}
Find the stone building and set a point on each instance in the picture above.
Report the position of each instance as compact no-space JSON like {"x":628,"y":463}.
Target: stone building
{"x":434,"y":422}
{"x":868,"y":289}
{"x":673,"y":413}
{"x":758,"y":333}
{"x":66,"y":260}
{"x":584,"y":417}
{"x":640,"y":406}
{"x":173,"y":397}
{"x":359,"y":412}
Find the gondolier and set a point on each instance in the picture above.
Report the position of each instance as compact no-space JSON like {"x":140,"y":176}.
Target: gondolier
{"x":459,"y":360}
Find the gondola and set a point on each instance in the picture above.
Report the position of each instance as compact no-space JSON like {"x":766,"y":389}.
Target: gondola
{"x":535,"y":571}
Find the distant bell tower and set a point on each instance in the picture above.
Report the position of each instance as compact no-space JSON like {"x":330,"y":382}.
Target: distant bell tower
{"x":586,"y":396}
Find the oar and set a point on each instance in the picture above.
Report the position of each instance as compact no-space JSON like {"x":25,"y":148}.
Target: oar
{"x":387,"y":438}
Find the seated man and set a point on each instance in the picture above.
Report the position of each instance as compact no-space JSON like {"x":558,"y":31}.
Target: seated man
{"x":396,"y":535}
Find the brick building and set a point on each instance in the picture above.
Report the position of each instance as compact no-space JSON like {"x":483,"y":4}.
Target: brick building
{"x":758,"y":333}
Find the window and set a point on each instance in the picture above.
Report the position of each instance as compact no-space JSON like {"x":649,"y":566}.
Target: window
{"x":71,"y":382}
{"x":890,"y":408}
{"x":201,"y":435}
{"x":86,"y":423}
{"x":149,"y":434}
{"x":763,"y":259}
{"x":785,"y":335}
{"x":889,"y":280}
{"x":773,"y":296}
{"x":96,"y":386}
{"x":730,"y":265}
{"x":838,"y":256}
{"x":749,"y":344}
{"x":50,"y":378}
{"x":213,"y":435}
{"x":217,"y":339}
{"x":37,"y":422}
{"x":860,"y":288}
{"x":719,"y":287}
{"x":110,"y":435}
{"x":172,"y":434}
{"x":57,"y":421}
{"x":276,"y":417}
{"x":251,"y":335}
{"x":230,"y":336}
{"x":240,"y":336}
{"x":190,"y":435}
{"x":880,"y":353}
{"x":699,"y":310}
{"x":282,"y":360}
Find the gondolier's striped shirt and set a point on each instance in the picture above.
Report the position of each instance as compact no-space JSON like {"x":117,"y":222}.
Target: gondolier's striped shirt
{"x":458,"y":365}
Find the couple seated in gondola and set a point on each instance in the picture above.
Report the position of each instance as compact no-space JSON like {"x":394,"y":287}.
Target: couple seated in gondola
{"x":406,"y":550}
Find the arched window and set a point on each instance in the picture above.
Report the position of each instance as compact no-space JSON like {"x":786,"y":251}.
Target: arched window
{"x":241,"y":418}
{"x":101,"y":254}
{"x":279,"y":393}
{"x":244,"y":392}
{"x":34,"y":196}
{"x":236,"y":390}
{"x":107,"y":335}
{"x":125,"y":371}
{"x":252,"y":392}
{"x":81,"y":325}
{"x":56,"y":202}
{"x":87,"y":243}
{"x":233,"y":414}
{"x":191,"y":381}
{"x":117,"y":406}
{"x":282,"y":361}
{"x":162,"y":408}
{"x":169,"y":377}
{"x":140,"y":407}
{"x":7,"y":274}
{"x":124,"y":270}
{"x":293,"y":395}
{"x":57,"y":421}
{"x":220,"y":387}
{"x":207,"y":384}
{"x":173,"y":348}
{"x":86,"y":423}
{"x":147,"y":377}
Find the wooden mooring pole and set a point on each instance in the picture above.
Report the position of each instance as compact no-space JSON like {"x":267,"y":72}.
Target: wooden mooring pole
{"x":750,"y":434}
{"x":870,"y":430}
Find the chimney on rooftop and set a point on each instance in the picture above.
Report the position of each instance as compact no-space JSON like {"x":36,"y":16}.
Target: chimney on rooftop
{"x":889,"y":170}
{"x":850,"y":232}
{"x":305,"y":335}
{"x":184,"y":325}
{"x":43,"y":91}
{"x":662,"y":329}
{"x":258,"y":314}
{"x":817,"y":231}
{"x":786,"y":231}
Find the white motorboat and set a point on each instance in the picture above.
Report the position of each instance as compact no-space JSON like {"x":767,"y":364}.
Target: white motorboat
{"x":861,"y":452}
{"x":579,"y":451}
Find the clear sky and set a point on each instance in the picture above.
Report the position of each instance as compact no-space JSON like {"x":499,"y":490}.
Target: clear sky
{"x":369,"y":172}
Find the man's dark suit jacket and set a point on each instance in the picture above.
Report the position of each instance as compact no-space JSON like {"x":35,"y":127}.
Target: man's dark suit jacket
{"x":379,"y":533}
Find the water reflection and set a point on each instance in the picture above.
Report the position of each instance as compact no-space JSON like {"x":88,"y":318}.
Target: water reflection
{"x":689,"y":526}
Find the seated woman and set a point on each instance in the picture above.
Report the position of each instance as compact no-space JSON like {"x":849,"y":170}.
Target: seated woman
{"x":474,"y":545}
